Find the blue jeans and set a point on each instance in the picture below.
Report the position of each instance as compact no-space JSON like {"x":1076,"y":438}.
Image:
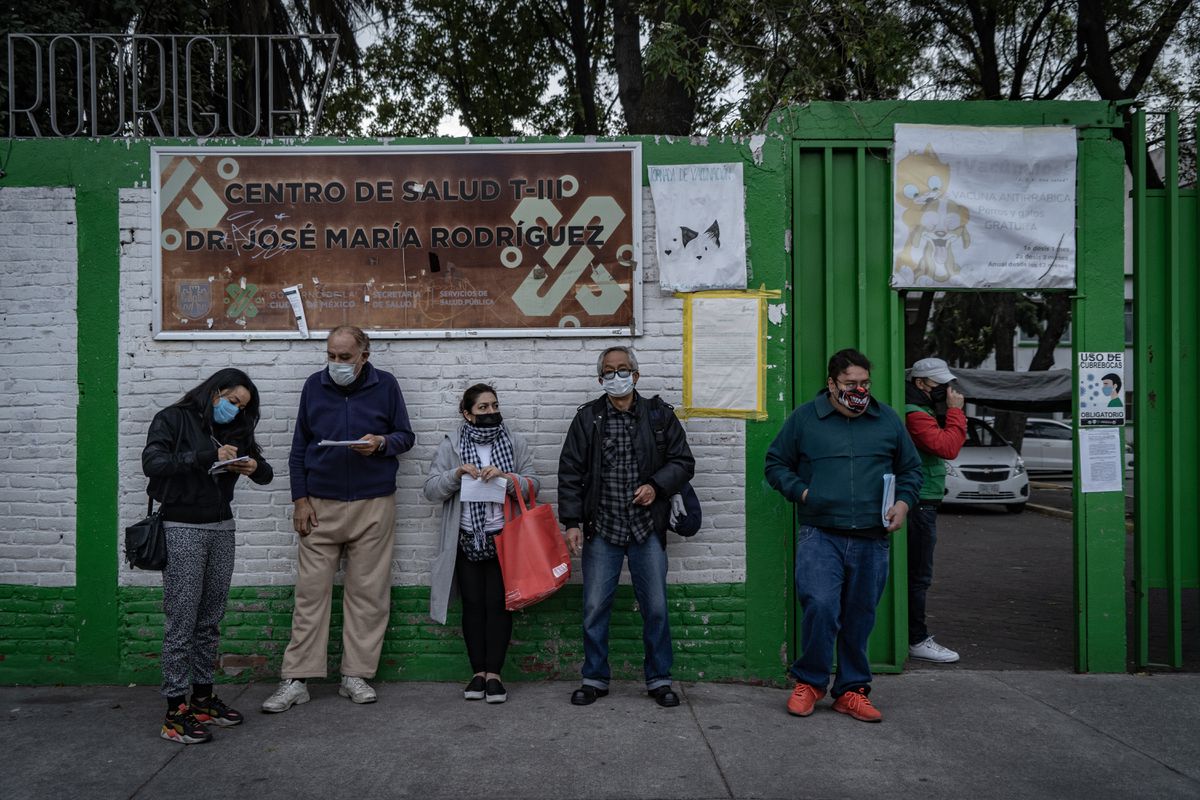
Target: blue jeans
{"x":839,"y":581}
{"x":922,"y":538}
{"x":601,"y":571}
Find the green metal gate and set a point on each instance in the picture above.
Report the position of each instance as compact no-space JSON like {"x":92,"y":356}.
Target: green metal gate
{"x":841,"y":262}
{"x":1167,"y":331}
{"x":842,"y":258}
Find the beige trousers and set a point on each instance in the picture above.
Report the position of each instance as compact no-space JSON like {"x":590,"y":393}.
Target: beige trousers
{"x":365,"y":531}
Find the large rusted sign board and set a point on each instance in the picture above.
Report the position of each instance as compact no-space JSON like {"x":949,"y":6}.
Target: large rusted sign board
{"x":504,"y":240}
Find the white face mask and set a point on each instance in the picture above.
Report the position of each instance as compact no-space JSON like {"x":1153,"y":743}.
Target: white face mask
{"x":616,"y":386}
{"x":341,"y":374}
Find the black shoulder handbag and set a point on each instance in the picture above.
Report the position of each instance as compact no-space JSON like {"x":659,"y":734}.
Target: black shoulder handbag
{"x":146,"y":540}
{"x":688,"y":523}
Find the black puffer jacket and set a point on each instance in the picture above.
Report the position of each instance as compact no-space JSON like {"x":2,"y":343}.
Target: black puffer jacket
{"x":664,"y":461}
{"x":179,"y":476}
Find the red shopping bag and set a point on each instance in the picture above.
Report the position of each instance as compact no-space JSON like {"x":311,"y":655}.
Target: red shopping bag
{"x":532,"y":552}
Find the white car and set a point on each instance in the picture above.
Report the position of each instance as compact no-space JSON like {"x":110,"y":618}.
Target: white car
{"x":1048,"y":446}
{"x":988,"y":471}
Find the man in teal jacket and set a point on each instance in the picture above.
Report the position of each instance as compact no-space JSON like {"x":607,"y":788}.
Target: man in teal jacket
{"x":833,"y":459}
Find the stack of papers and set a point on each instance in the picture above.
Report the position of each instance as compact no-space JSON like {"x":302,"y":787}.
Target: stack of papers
{"x":889,"y":496}
{"x":219,"y":466}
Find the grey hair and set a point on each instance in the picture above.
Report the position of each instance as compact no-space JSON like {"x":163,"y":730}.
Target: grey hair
{"x":360,"y":337}
{"x":628,"y":351}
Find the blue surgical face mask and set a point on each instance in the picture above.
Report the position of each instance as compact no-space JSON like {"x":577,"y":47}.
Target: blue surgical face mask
{"x":616,"y":386}
{"x":341,"y":374}
{"x":224,"y":411}
{"x":1108,"y":390}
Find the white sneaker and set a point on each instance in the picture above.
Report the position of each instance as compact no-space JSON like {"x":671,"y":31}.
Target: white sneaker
{"x":290,"y":693}
{"x":929,"y":650}
{"x":358,"y":690}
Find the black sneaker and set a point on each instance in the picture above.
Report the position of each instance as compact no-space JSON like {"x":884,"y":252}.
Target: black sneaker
{"x":475,"y":689}
{"x":495,"y":691}
{"x":182,"y":726}
{"x":213,"y":711}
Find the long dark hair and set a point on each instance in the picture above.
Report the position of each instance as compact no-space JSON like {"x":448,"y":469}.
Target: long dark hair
{"x":240,"y":432}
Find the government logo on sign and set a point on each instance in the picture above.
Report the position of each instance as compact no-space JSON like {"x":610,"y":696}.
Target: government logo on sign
{"x":242,"y":300}
{"x":193,"y":298}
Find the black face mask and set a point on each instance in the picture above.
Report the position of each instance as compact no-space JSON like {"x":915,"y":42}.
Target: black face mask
{"x":488,"y":420}
{"x":938,"y":394}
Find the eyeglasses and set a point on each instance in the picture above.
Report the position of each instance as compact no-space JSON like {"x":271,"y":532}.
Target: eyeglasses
{"x":609,"y":374}
{"x":852,"y":385}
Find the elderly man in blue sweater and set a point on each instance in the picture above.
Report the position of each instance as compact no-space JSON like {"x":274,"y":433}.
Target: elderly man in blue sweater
{"x":833,"y":459}
{"x":343,"y":496}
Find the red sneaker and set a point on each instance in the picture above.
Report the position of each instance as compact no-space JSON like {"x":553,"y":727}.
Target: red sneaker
{"x":803,"y":698}
{"x":858,"y":705}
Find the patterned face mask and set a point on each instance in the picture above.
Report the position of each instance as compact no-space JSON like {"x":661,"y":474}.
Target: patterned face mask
{"x":856,"y":399}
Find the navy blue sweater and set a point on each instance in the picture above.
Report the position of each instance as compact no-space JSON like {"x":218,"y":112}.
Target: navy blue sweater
{"x":374,"y":405}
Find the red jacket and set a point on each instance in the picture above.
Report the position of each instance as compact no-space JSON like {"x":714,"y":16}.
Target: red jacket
{"x":930,"y":437}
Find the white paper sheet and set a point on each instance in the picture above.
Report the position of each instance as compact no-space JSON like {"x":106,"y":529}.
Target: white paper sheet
{"x":219,"y":466}
{"x":292,"y":293}
{"x":1102,"y":460}
{"x":475,"y":490}
{"x":724,"y":345}
{"x":889,"y":497}
{"x":699,"y":212}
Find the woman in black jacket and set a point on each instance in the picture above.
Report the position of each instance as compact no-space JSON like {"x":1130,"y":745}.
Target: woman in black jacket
{"x":213,"y":422}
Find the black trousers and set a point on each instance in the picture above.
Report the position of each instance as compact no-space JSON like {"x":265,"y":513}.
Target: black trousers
{"x":486,"y":625}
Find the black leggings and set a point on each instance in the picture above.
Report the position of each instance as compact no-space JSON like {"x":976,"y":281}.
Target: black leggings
{"x":487,"y":626}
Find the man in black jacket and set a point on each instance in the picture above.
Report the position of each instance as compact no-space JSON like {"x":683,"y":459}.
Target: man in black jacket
{"x":623,"y":458}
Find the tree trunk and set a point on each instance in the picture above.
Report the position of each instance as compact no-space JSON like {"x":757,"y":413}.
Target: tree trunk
{"x":1009,"y":424}
{"x":657,"y":102}
{"x":581,"y":49}
{"x":914,"y":329}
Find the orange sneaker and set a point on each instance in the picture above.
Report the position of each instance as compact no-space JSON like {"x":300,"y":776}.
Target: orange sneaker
{"x":857,"y":705}
{"x":803,"y":698}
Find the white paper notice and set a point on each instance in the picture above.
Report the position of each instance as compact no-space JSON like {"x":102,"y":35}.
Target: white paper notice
{"x":1101,"y":456}
{"x":475,"y":490}
{"x":292,"y":293}
{"x":699,"y":212}
{"x":724,"y":346}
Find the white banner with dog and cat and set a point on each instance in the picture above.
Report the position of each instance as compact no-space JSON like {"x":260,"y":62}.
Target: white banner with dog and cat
{"x":983,"y":207}
{"x":699,"y":214}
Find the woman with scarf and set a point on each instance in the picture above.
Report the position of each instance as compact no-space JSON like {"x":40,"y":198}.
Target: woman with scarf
{"x":481,"y":448}
{"x":213,"y":422}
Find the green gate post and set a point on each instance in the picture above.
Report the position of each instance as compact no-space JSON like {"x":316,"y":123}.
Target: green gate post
{"x":1099,"y":520}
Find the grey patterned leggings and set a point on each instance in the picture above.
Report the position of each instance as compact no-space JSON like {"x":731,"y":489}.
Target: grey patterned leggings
{"x":195,"y":589}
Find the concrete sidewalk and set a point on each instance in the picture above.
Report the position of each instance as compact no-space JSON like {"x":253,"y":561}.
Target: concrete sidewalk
{"x":946,"y":734}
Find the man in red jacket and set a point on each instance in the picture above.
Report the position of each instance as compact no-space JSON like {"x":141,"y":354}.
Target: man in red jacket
{"x":937,"y":438}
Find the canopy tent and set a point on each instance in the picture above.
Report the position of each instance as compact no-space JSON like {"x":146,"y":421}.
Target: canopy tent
{"x":1045,"y":390}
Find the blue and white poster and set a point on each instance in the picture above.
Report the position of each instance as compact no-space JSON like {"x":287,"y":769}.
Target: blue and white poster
{"x":1102,"y":388}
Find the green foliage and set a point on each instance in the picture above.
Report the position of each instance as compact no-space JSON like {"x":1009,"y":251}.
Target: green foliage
{"x":785,"y":52}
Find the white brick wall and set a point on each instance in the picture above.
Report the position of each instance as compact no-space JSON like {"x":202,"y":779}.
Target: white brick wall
{"x":540,"y":381}
{"x":38,"y":390}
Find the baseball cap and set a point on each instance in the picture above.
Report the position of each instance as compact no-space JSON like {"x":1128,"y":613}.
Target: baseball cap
{"x":934,"y":369}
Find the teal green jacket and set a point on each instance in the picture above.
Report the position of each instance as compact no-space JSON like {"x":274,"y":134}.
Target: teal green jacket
{"x":841,"y":461}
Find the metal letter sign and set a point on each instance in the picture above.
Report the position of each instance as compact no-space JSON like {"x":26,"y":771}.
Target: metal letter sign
{"x":507,"y":240}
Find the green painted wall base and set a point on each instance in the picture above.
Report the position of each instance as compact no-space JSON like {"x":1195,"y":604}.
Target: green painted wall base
{"x":708,"y":623}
